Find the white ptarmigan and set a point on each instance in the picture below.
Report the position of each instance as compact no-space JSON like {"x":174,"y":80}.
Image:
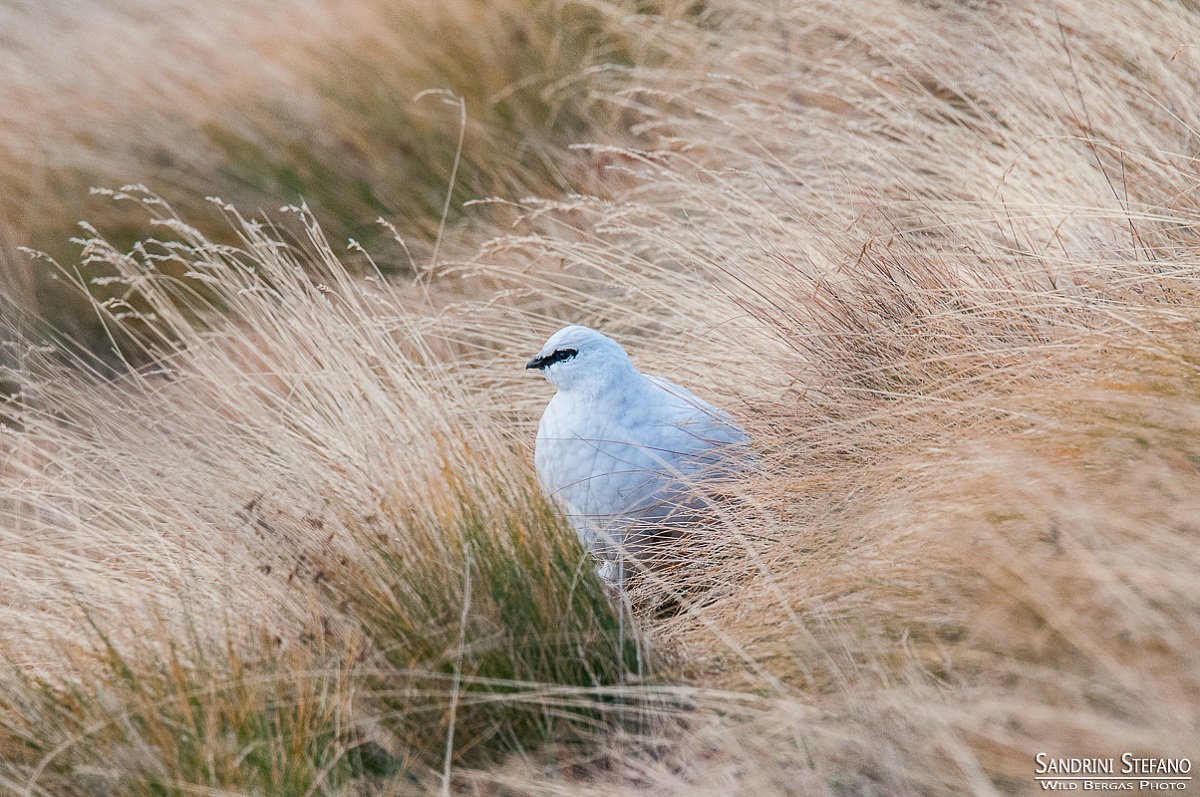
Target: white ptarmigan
{"x":625,"y":455}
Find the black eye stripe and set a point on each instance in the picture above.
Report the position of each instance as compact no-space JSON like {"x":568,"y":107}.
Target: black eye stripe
{"x":561,"y":355}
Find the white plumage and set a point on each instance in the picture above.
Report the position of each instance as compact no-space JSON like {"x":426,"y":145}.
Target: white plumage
{"x":625,"y":455}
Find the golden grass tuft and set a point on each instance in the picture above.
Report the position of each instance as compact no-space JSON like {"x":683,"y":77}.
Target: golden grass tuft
{"x":352,"y":108}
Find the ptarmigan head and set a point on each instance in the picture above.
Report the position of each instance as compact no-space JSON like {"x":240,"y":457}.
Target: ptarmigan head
{"x":580,"y":358}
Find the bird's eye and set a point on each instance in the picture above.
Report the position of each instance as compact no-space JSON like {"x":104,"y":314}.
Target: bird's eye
{"x":553,"y":357}
{"x":561,"y":355}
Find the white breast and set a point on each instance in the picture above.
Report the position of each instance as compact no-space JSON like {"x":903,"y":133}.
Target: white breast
{"x":624,"y":466}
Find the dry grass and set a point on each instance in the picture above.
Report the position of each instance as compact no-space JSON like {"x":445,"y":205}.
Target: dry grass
{"x":939,"y":260}
{"x":266,"y":104}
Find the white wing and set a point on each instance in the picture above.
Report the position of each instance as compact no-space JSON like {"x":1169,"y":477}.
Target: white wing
{"x":714,"y":426}
{"x":638,"y":463}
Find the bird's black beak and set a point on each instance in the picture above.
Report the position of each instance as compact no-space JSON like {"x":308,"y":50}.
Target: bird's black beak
{"x":537,"y":363}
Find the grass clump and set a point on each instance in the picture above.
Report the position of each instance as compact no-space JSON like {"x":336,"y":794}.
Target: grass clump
{"x":135,"y":723}
{"x":419,"y":587}
{"x":334,"y":106}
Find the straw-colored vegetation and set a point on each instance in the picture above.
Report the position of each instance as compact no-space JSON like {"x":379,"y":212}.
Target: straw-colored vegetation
{"x":939,"y":259}
{"x":266,"y":103}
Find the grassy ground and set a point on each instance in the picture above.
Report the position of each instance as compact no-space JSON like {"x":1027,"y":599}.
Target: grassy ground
{"x":355,"y":108}
{"x":939,"y":260}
